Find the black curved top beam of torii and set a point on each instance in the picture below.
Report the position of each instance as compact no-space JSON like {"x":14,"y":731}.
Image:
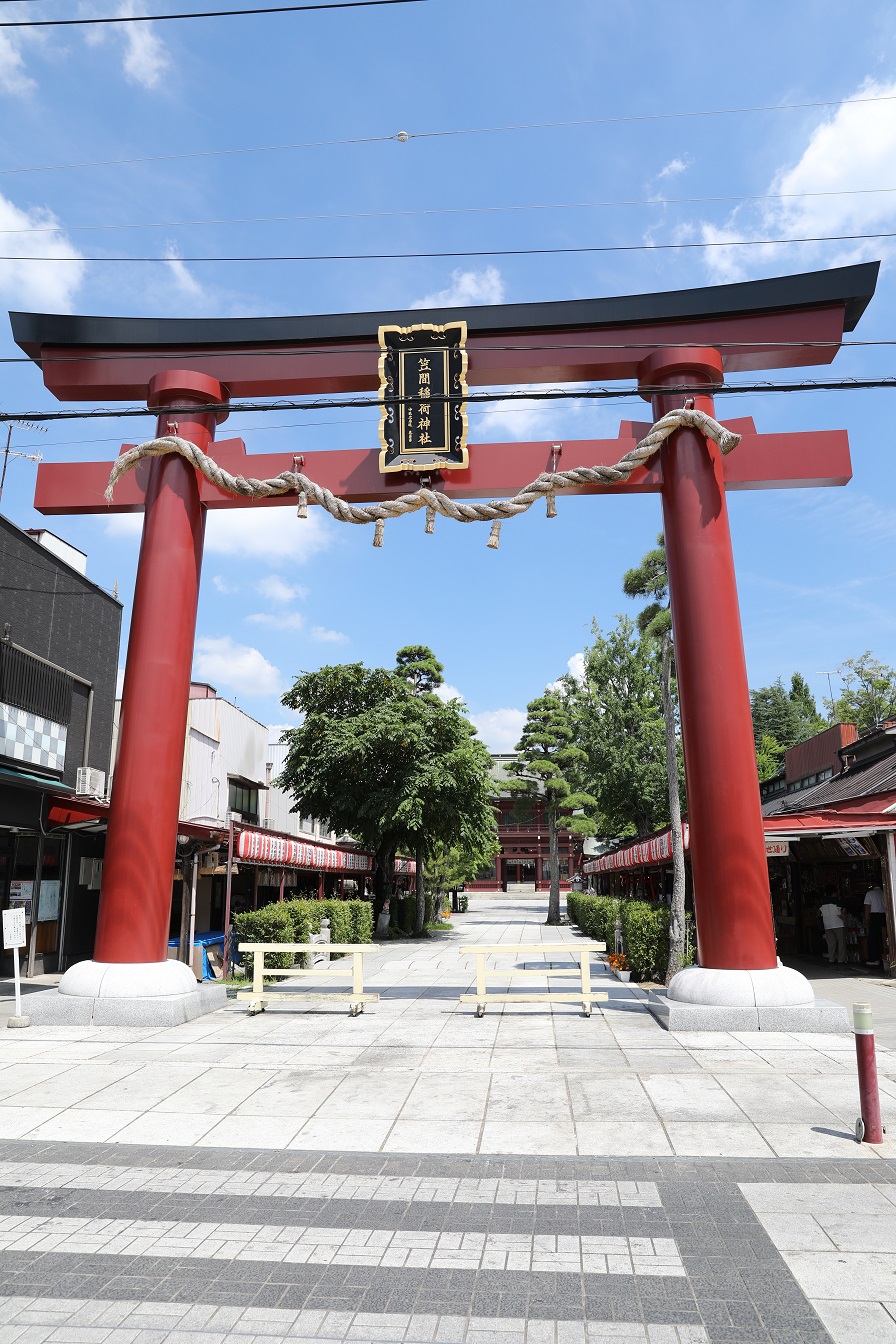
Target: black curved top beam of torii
{"x":786,"y":322}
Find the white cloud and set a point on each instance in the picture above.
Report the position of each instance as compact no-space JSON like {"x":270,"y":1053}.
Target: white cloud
{"x":145,"y":57}
{"x":852,"y":150}
{"x":272,"y":533}
{"x":324,"y":636}
{"x":446,"y":692}
{"x":223,"y":662}
{"x":575,"y":666}
{"x":276,"y":589}
{"x":673,"y":168}
{"x":289,"y":620}
{"x":500,"y":729}
{"x":50,"y":285}
{"x":13,"y":78}
{"x":184,"y":280}
{"x":484,"y":286}
{"x":269,"y":533}
{"x":221,"y":584}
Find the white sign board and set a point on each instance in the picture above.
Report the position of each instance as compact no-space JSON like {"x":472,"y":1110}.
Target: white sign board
{"x":777,"y":849}
{"x":14,"y":928}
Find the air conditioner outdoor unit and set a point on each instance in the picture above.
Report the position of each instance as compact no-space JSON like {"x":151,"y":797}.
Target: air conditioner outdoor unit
{"x":266,"y":823}
{"x":90,"y":782}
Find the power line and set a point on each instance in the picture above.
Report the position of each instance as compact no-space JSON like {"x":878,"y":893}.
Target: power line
{"x":468,"y":130}
{"x":554,"y":394}
{"x":447,"y":210}
{"x":484,"y":252}
{"x":203,"y":14}
{"x":335,"y":351}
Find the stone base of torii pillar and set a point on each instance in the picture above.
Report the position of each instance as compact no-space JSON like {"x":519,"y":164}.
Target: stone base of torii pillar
{"x":122,"y":994}
{"x":777,"y":999}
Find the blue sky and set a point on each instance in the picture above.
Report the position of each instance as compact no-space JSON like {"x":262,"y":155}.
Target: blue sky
{"x":815,"y":568}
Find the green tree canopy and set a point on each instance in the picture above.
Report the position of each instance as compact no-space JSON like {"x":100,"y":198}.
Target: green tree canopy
{"x":397,"y":771}
{"x":420,"y":668}
{"x":650,"y":579}
{"x":774,"y":715}
{"x":803,"y":701}
{"x":769,"y":757}
{"x":868,"y":698}
{"x":549,"y":764}
{"x":619,"y":715}
{"x":781,"y":719}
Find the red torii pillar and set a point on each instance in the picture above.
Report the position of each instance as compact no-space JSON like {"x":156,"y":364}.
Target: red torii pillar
{"x":736,"y":939}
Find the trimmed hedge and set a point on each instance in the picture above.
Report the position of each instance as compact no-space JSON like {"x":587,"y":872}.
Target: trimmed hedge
{"x":271,"y":924}
{"x":645,"y":929}
{"x":295,"y":921}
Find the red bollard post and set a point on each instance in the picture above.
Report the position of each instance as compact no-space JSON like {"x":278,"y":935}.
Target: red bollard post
{"x":869,"y":1129}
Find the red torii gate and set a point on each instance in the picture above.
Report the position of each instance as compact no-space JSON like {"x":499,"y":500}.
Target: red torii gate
{"x":671,"y":341}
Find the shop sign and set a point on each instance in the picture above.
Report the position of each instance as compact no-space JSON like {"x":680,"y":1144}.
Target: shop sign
{"x":423,"y":386}
{"x":856,"y":848}
{"x":777,"y":849}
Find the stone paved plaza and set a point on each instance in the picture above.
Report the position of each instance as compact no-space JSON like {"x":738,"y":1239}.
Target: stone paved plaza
{"x":417,"y":1173}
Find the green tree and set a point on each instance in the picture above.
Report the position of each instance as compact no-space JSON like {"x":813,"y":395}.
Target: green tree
{"x":775,"y":715}
{"x":769,"y":757}
{"x":803,"y":701}
{"x":868,"y":698}
{"x":418,"y":666}
{"x":395,"y":770}
{"x":449,"y":866}
{"x":549,"y":764}
{"x":619,"y":715}
{"x":650,"y":579}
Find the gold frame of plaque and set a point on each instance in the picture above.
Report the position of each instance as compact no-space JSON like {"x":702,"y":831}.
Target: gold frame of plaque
{"x":420,"y":369}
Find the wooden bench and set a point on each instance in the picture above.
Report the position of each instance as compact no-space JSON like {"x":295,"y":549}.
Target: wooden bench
{"x":259,"y":995}
{"x":584,"y":995}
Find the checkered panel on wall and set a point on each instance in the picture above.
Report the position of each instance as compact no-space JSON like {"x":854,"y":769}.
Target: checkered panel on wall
{"x":30,"y":739}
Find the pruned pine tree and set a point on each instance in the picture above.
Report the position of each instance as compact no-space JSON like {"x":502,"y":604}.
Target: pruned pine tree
{"x":549,"y":764}
{"x":420,"y":668}
{"x":417,"y":665}
{"x":650,"y":579}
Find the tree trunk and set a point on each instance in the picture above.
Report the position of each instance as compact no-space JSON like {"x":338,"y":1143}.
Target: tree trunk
{"x":382,"y":881}
{"x":420,"y":916}
{"x":554,"y":851}
{"x":676,"y":913}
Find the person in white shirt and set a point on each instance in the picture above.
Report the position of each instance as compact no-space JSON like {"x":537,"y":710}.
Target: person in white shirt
{"x":875,"y":922}
{"x":834,"y":927}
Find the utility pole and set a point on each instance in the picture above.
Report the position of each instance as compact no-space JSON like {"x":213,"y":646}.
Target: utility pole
{"x":8,"y":452}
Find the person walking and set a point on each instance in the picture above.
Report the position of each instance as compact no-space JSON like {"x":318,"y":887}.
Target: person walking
{"x":834,"y":927}
{"x":875,"y":921}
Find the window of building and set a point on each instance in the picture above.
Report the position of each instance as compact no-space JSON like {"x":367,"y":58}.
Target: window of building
{"x":244,"y":800}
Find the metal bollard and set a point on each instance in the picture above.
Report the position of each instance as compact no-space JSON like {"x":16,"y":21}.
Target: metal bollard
{"x":869,"y":1127}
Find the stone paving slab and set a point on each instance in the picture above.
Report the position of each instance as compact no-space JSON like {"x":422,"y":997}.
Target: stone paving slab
{"x":523,"y":1079}
{"x":77,"y":1269}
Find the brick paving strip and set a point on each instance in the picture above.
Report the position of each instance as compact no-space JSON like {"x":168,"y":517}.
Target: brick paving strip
{"x":103,"y":1244}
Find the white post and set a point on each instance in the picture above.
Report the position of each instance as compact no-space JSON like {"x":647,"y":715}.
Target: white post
{"x":18,"y":982}
{"x":193,"y":908}
{"x":13,"y":941}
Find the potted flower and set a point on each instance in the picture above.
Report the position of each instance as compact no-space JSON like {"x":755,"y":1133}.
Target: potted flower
{"x":618,"y":963}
